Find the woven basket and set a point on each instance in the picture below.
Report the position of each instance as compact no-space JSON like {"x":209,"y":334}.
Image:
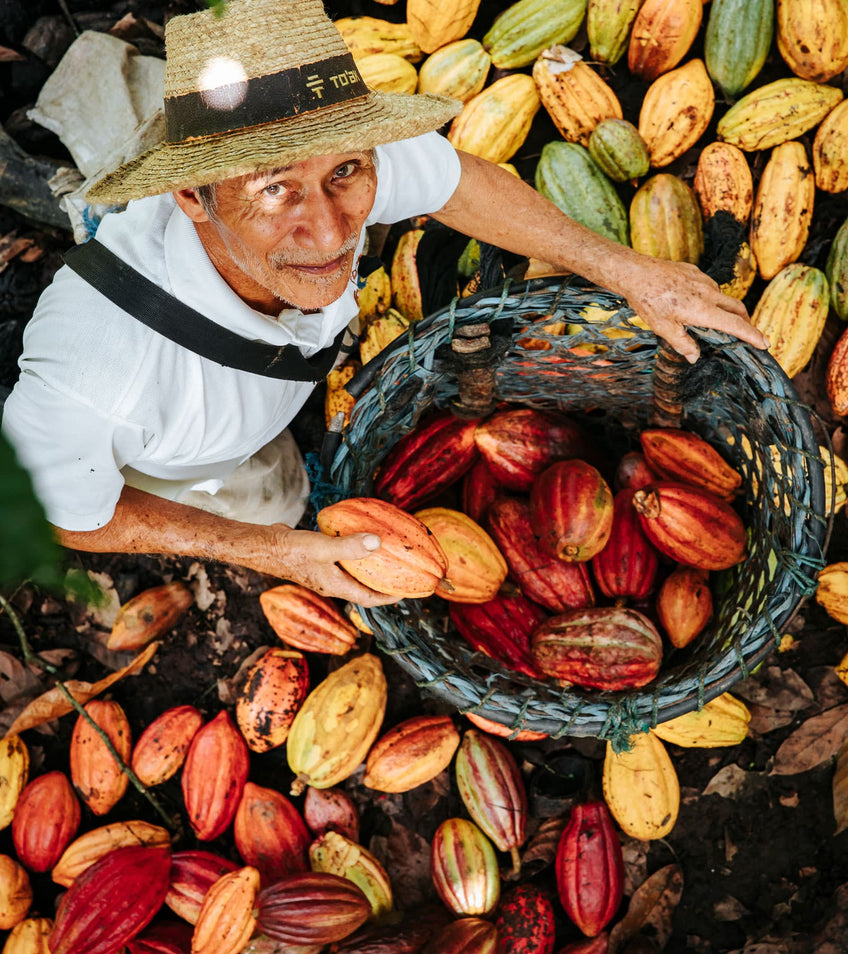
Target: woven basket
{"x":600,"y":371}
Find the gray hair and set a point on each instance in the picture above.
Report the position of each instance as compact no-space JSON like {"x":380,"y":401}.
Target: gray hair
{"x":207,"y":196}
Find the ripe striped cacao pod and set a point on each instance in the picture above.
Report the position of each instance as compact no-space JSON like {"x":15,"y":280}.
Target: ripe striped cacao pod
{"x":29,"y":937}
{"x":777,"y":112}
{"x":458,"y":70}
{"x":47,"y":817}
{"x":723,"y":181}
{"x":387,"y":73}
{"x":330,"y":809}
{"x":791,"y":312}
{"x":494,"y":123}
{"x":96,"y":775}
{"x":661,"y":36}
{"x":409,"y":563}
{"x":267,"y":704}
{"x":684,"y":605}
{"x":82,"y":853}
{"x":836,"y":376}
{"x":519,"y":443}
{"x":832,"y":591}
{"x":166,"y":937}
{"x":434,"y":25}
{"x":523,"y":30}
{"x":303,"y":619}
{"x":618,"y":150}
{"x":830,"y":151}
{"x":737,"y":41}
{"x":641,"y":788}
{"x":15,"y":892}
{"x":783,"y":209}
{"x":676,"y":111}
{"x":411,"y":753}
{"x":333,"y":853}
{"x":337,"y":724}
{"x":214,"y":776}
{"x":501,"y":629}
{"x":112,"y":901}
{"x":476,"y":567}
{"x":603,"y":647}
{"x":691,"y":526}
{"x":193,"y":872}
{"x":465,"y":936}
{"x":812,"y":37}
{"x":633,"y":471}
{"x":556,"y":584}
{"x":149,"y":615}
{"x":270,"y":834}
{"x":526,"y":922}
{"x":226,"y":920}
{"x":503,"y":731}
{"x":574,"y":95}
{"x":311,"y":908}
{"x":161,"y":748}
{"x":836,"y":272}
{"x":479,"y":489}
{"x":675,"y":454}
{"x":571,"y":506}
{"x":590,"y":867}
{"x":627,"y":566}
{"x":14,"y":772}
{"x":608,"y":24}
{"x":365,"y":36}
{"x":464,"y":868}
{"x":721,"y":721}
{"x":567,"y":176}
{"x":665,"y":220}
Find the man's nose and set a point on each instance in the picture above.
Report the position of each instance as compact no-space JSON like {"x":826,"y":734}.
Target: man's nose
{"x":323,"y":222}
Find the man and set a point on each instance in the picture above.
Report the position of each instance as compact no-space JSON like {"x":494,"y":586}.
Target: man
{"x":253,"y":212}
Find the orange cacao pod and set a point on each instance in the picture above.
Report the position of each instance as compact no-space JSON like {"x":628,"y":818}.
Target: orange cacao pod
{"x":193,"y":872}
{"x":330,"y":809}
{"x":836,"y":376}
{"x":409,"y":563}
{"x":661,"y":36}
{"x":270,"y":834}
{"x":723,"y":181}
{"x":307,"y":621}
{"x":96,"y":775}
{"x":162,"y":746}
{"x":411,"y":753}
{"x":684,"y":604}
{"x":226,"y":921}
{"x":504,"y":731}
{"x":149,"y":615}
{"x":46,"y":819}
{"x":15,"y":892}
{"x":627,"y":566}
{"x":29,"y":937}
{"x":691,"y":526}
{"x":95,"y":844}
{"x":275,"y":689}
{"x":214,"y":775}
{"x":675,"y":454}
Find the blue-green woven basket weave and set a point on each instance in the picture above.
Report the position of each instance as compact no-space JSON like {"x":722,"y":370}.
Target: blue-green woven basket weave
{"x":570,"y":347}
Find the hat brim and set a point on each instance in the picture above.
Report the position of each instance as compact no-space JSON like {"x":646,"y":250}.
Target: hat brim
{"x":352,"y":126}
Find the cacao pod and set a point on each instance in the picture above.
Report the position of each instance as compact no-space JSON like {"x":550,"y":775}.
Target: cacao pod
{"x":494,"y":123}
{"x":411,"y":753}
{"x":479,"y":489}
{"x":96,"y":775}
{"x":684,"y":605}
{"x":723,"y":181}
{"x":337,"y":400}
{"x":330,"y":809}
{"x":226,"y":920}
{"x":721,"y":721}
{"x":99,"y":842}
{"x":193,"y":872}
{"x":618,"y":150}
{"x":275,"y":689}
{"x":661,"y":36}
{"x":334,"y":854}
{"x":46,"y":819}
{"x":633,"y":471}
{"x":675,"y":454}
{"x":836,"y":376}
{"x":367,"y":35}
{"x":406,"y":282}
{"x":162,"y":937}
{"x":432,"y":26}
{"x":162,"y":746}
{"x":523,"y":30}
{"x":270,"y":834}
{"x":465,"y":936}
{"x":526,"y":923}
{"x":380,"y":332}
{"x":458,"y":70}
{"x":628,"y":564}
{"x":149,"y":615}
{"x":15,"y":892}
{"x":737,"y":42}
{"x":832,"y":591}
{"x":311,"y":908}
{"x":676,"y":111}
{"x":14,"y":772}
{"x":641,"y":788}
{"x":464,"y":868}
{"x":665,"y":220}
{"x":387,"y":73}
{"x":503,"y":731}
{"x":812,"y":37}
{"x":29,"y":937}
{"x":305,"y":620}
{"x":608,"y":24}
{"x":830,"y":149}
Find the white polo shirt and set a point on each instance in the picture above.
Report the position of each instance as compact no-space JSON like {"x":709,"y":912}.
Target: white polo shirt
{"x":103,"y":400}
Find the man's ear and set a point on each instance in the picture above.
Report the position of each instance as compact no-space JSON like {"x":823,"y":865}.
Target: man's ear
{"x":187,"y":200}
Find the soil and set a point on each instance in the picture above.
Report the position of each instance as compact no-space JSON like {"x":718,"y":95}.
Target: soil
{"x":762,"y":868}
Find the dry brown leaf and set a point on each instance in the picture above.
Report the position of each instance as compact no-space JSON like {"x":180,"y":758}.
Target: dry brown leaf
{"x":729,"y":909}
{"x":635,"y":855}
{"x":774,"y":697}
{"x":53,"y":703}
{"x":406,"y":857}
{"x":815,"y":741}
{"x":541,"y":849}
{"x":840,"y":789}
{"x":652,"y":905}
{"x":16,"y":679}
{"x":734,"y":782}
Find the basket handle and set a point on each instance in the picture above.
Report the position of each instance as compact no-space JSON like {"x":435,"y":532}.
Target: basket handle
{"x":666,"y":402}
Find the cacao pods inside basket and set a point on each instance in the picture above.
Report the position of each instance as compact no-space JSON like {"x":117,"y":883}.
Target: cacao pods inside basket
{"x":600,"y":373}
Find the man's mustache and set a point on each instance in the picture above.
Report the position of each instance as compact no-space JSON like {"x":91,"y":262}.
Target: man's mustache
{"x":286,"y":257}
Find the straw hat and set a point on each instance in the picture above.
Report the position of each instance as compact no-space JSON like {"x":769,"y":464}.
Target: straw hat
{"x":268,"y":83}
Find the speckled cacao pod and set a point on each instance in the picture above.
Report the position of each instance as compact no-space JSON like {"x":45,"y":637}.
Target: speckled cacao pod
{"x":96,"y":775}
{"x":676,"y":454}
{"x":46,"y":819}
{"x":226,"y":919}
{"x":15,"y":892}
{"x":305,"y":620}
{"x":526,"y":922}
{"x":161,"y":748}
{"x":270,"y":834}
{"x":14,"y":772}
{"x":270,"y":698}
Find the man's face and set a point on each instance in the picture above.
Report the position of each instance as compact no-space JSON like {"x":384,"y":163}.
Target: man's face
{"x":290,"y":235}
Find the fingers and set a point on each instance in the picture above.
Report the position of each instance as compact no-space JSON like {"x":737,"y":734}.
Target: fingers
{"x":353,"y":546}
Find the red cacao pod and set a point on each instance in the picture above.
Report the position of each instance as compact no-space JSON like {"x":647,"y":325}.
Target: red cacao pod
{"x":465,"y":936}
{"x":627,"y":566}
{"x":273,"y":692}
{"x":691,"y":526}
{"x":427,"y":460}
{"x":479,"y":489}
{"x":96,"y":775}
{"x":525,"y":921}
{"x":501,"y":629}
{"x":193,"y":872}
{"x":595,"y":945}
{"x":519,"y":443}
{"x":307,"y":621}
{"x":590,"y":867}
{"x":311,"y":908}
{"x":557,"y":584}
{"x":603,"y":647}
{"x":330,"y":809}
{"x":270,"y":834}
{"x":633,"y":471}
{"x":46,"y":818}
{"x":684,"y":604}
{"x":683,"y":456}
{"x":214,"y":774}
{"x":166,"y":937}
{"x":112,"y":901}
{"x":571,"y":506}
{"x":464,"y":868}
{"x":162,"y":746}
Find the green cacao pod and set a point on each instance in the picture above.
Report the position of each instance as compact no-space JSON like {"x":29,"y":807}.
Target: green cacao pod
{"x":458,"y":69}
{"x":618,"y":150}
{"x":526,"y":28}
{"x":837,"y":272}
{"x":665,"y":220}
{"x":737,"y":41}
{"x":608,"y":24}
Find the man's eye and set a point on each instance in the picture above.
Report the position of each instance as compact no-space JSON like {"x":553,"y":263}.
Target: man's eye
{"x":273,"y":188}
{"x":346,"y":170}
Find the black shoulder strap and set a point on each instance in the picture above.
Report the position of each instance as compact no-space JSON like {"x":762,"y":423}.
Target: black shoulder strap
{"x":156,"y":308}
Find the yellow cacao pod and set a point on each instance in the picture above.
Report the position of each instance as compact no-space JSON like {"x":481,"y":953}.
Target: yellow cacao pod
{"x":835,"y":474}
{"x":495,"y":123}
{"x":375,"y":296}
{"x":575,"y":96}
{"x":830,"y":151}
{"x":608,"y":24}
{"x":435,"y":23}
{"x":676,"y":111}
{"x":722,"y":721}
{"x":776,"y":113}
{"x":832,"y":591}
{"x":337,"y":854}
{"x":783,"y":208}
{"x":380,"y":332}
{"x":406,"y":285}
{"x":29,"y":937}
{"x":15,"y":892}
{"x":411,"y":753}
{"x":226,"y":919}
{"x":744,"y":273}
{"x":661,"y":36}
{"x":458,"y":69}
{"x":641,"y":788}
{"x":337,"y":724}
{"x":723,"y":180}
{"x":812,"y":37}
{"x":791,"y":313}
{"x":388,"y":72}
{"x":665,"y":220}
{"x":522,"y":31}
{"x":367,"y":35}
{"x":14,"y":773}
{"x":337,"y":400}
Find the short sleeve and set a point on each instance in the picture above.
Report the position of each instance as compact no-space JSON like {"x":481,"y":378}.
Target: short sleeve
{"x":414,"y":177}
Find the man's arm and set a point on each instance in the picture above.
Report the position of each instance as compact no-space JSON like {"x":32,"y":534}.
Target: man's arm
{"x":496,"y":207}
{"x":144,"y":523}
